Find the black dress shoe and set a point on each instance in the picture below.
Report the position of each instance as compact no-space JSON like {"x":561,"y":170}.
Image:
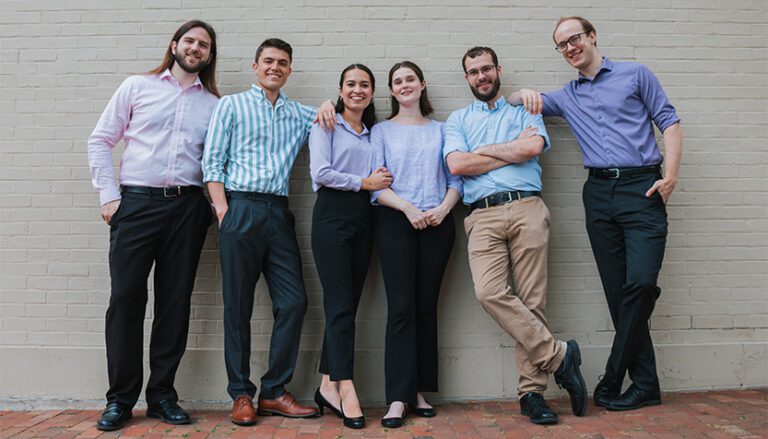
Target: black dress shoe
{"x":425,"y":413}
{"x":606,"y":391}
{"x":395,"y":422}
{"x":634,"y":398}
{"x":534,"y":406}
{"x":323,"y":403}
{"x":113,"y":417}
{"x":168,"y":412}
{"x":568,"y":377}
{"x":357,"y":423}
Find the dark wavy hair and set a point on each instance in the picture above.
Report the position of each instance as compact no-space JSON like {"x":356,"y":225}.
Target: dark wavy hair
{"x":477,"y":51}
{"x":275,"y":43}
{"x":369,"y":114}
{"x":208,"y":74}
{"x":424,"y":105}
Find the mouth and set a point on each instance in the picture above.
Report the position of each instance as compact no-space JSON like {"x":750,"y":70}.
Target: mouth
{"x":357,"y":98}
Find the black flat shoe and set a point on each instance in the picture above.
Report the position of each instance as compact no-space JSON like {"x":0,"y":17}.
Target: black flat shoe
{"x":356,"y":423}
{"x":534,"y":406}
{"x":425,"y":413}
{"x":634,"y":398}
{"x":323,"y":403}
{"x":113,"y":417}
{"x":568,"y":376}
{"x":168,"y":412}
{"x":395,"y":422}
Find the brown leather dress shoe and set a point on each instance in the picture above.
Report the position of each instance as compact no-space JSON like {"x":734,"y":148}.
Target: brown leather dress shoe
{"x":287,"y":406}
{"x":242,"y":411}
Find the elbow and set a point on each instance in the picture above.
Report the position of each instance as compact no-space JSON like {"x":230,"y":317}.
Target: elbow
{"x":455,"y":167}
{"x":534,"y":147}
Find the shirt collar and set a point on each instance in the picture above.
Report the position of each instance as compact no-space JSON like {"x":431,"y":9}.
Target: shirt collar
{"x":259,"y":93}
{"x":341,"y":121}
{"x":483,"y":106}
{"x":167,"y":75}
{"x":606,"y":65}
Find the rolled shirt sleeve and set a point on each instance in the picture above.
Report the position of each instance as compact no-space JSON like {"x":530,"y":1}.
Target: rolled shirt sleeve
{"x":652,"y":94}
{"x":217,"y":142}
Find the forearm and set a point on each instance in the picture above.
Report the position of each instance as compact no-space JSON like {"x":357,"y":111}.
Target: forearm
{"x":467,"y":163}
{"x":673,"y":150}
{"x":218,"y":195}
{"x":514,"y":151}
{"x":452,"y":196}
{"x":389,"y":198}
{"x":515,"y":98}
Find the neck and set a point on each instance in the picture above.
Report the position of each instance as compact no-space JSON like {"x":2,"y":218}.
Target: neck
{"x":354,"y":119}
{"x":591,"y":70}
{"x":271,"y":95}
{"x":410,"y":113}
{"x":185,"y":78}
{"x":492,"y":102}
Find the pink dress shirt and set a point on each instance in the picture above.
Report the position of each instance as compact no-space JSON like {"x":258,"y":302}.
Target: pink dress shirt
{"x":163,"y":125}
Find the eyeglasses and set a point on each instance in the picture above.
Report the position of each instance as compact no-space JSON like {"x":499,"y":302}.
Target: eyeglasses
{"x":572,"y":40}
{"x":485,"y":70}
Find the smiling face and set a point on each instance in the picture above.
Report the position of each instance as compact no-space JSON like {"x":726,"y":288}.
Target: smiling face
{"x":582,"y":54}
{"x":273,"y":68}
{"x":193,"y":50}
{"x":483,"y":77}
{"x":406,"y":86}
{"x":356,"y":90}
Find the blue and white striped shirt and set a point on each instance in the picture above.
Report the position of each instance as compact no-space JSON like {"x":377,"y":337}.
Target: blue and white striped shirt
{"x":251,"y":146}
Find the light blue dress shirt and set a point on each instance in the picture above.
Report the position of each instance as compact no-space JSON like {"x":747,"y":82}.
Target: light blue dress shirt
{"x":474,"y":126}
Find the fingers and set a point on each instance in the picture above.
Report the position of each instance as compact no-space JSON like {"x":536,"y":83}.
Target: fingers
{"x":656,"y":186}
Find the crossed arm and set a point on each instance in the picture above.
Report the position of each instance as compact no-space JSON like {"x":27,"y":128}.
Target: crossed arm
{"x":489,"y":157}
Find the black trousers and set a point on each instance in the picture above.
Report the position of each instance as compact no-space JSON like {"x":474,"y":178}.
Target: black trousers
{"x":342,"y":238}
{"x":257,"y":235}
{"x":169,"y":233}
{"x":413,"y":263}
{"x":628,"y":234}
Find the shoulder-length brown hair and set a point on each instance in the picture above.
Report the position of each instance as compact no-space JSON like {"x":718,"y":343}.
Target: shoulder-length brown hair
{"x":208,"y":74}
{"x":424,"y":105}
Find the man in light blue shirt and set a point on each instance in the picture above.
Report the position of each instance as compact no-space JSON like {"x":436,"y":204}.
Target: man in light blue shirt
{"x":252,"y":142}
{"x":508,"y":229}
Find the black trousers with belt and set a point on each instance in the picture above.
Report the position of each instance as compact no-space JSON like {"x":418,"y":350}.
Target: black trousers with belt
{"x":628,"y":233}
{"x":413,"y":263}
{"x":257,"y":234}
{"x":169,"y":233}
{"x":342,"y":239}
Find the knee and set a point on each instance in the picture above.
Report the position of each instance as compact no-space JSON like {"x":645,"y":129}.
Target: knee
{"x":644,"y":287}
{"x":295,"y":306}
{"x":488,"y":295}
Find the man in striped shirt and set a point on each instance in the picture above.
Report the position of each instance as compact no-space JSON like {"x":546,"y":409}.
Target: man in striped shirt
{"x":252,"y":142}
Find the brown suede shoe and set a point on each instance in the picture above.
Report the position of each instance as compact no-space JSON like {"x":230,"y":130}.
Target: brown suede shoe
{"x":242,"y":411}
{"x":287,"y":406}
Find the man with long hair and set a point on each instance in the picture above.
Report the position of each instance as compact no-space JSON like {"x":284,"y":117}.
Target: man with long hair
{"x":157,"y":214}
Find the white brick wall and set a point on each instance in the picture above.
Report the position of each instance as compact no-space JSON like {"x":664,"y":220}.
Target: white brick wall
{"x":60,"y":61}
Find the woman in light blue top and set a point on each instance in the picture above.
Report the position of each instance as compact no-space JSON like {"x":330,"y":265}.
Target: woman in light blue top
{"x":416,"y":234}
{"x":342,"y":233}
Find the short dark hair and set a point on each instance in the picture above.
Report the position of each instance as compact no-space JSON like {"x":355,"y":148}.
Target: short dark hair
{"x":477,"y":51}
{"x":424,"y":105}
{"x":208,"y":74}
{"x":276,"y":43}
{"x":369,"y":114}
{"x":586,"y":26}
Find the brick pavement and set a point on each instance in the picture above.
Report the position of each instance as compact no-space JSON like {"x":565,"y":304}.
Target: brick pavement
{"x":723,"y":414}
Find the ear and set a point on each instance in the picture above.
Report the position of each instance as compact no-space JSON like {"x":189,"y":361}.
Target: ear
{"x":255,"y":66}
{"x":423,"y":85}
{"x":498,"y":70}
{"x":173,"y":47}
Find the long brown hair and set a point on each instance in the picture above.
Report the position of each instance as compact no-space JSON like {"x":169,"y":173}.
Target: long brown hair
{"x":208,"y":74}
{"x":424,"y":105}
{"x":369,"y":114}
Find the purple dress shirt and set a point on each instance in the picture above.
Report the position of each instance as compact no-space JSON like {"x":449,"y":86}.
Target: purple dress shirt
{"x":339,"y":158}
{"x":611,"y":114}
{"x":163,"y":126}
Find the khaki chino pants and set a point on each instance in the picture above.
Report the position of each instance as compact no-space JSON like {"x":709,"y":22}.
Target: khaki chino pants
{"x":514,"y":237}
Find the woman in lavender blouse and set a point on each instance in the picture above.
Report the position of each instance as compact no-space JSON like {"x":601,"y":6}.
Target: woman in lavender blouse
{"x":342,"y":233}
{"x":416,"y":234}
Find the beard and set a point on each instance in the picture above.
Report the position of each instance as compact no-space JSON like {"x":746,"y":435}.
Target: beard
{"x":189,"y":68}
{"x":485,"y":97}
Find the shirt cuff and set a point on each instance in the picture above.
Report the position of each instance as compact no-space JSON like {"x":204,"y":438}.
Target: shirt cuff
{"x":357,"y":183}
{"x":109,"y":194}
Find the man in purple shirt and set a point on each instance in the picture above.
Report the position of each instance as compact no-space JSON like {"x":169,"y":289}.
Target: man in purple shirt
{"x":157,"y":215}
{"x":611,"y":108}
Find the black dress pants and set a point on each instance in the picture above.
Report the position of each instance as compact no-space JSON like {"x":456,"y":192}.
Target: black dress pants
{"x":169,"y":233}
{"x":257,"y":235}
{"x":628,"y":233}
{"x":413,"y":263}
{"x":342,"y":238}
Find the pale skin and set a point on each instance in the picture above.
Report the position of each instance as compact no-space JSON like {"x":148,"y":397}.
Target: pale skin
{"x":490,"y":157}
{"x":356,"y":92}
{"x":195,"y":45}
{"x":584,"y":57}
{"x":407,"y":89}
{"x":272,"y":71}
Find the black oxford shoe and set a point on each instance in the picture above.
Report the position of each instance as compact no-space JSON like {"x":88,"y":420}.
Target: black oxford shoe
{"x":634,"y":398}
{"x":568,"y":376}
{"x":113,"y":417}
{"x":168,"y":412}
{"x":535,"y":407}
{"x":606,"y":391}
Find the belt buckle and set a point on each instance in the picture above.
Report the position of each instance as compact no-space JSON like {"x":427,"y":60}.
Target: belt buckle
{"x":167,"y":194}
{"x":616,"y":173}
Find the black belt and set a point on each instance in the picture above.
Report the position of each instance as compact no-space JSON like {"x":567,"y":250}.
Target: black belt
{"x":619,"y":173}
{"x":164,"y":192}
{"x":257,"y":196}
{"x":502,"y":198}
